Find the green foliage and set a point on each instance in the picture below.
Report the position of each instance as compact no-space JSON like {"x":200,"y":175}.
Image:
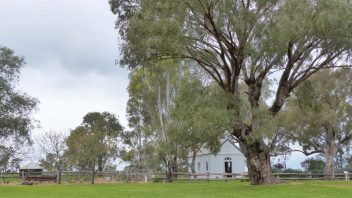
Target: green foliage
{"x":320,"y":112}
{"x":278,"y":167}
{"x":313,"y":165}
{"x":241,"y":43}
{"x":92,"y":144}
{"x":48,"y":163}
{"x":199,"y":114}
{"x":254,"y":38}
{"x":15,"y":107}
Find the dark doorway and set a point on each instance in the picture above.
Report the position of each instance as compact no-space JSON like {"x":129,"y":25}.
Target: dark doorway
{"x":228,"y":166}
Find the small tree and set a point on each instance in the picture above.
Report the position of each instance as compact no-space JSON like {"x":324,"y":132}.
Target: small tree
{"x":52,"y":144}
{"x":94,"y":142}
{"x":313,"y":165}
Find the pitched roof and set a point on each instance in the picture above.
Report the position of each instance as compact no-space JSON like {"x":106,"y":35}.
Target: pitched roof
{"x":206,"y":151}
{"x":31,"y":165}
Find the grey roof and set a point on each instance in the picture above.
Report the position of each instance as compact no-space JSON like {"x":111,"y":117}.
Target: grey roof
{"x":31,"y":165}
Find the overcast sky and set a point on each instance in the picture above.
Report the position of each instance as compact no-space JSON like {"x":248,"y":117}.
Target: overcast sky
{"x":70,"y":47}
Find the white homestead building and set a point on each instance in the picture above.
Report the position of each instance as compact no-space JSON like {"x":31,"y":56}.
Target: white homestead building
{"x":229,"y":160}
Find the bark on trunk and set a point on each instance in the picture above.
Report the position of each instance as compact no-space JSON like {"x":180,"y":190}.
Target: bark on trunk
{"x":193,"y":163}
{"x":100,"y":164}
{"x":92,"y":177}
{"x":168,"y":172}
{"x":258,"y":162}
{"x":174,"y":168}
{"x":255,"y":150}
{"x":58,"y":177}
{"x":329,"y":166}
{"x":331,"y":150}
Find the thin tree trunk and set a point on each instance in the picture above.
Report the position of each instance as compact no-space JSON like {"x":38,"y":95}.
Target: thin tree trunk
{"x":92,"y":176}
{"x":174,"y":168}
{"x":168,"y":171}
{"x":58,"y":176}
{"x":193,"y":163}
{"x":168,"y":158}
{"x":100,"y":164}
{"x":139,"y":148}
{"x":58,"y":167}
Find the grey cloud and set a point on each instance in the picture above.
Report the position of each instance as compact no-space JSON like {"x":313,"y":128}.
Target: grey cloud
{"x":70,"y":47}
{"x":78,"y":34}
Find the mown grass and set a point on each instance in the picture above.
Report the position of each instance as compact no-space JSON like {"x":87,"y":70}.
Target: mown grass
{"x":182,"y":190}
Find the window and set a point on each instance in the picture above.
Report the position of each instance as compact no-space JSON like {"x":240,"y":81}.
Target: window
{"x":206,"y":166}
{"x":198,"y":166}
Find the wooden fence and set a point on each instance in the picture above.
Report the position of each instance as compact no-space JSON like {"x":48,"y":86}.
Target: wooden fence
{"x":149,"y":176}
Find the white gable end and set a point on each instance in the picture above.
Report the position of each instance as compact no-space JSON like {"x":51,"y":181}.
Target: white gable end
{"x":228,"y":148}
{"x":228,"y":160}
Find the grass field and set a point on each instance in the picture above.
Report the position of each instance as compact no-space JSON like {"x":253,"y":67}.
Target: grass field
{"x":182,"y":190}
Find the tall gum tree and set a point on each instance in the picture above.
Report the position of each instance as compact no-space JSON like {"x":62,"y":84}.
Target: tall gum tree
{"x":241,"y":41}
{"x":320,"y":115}
{"x":198,"y":117}
{"x":158,"y":85}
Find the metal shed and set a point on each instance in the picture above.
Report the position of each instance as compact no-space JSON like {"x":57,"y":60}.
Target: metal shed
{"x":31,"y":169}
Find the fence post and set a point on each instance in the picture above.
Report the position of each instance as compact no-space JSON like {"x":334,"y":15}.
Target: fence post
{"x":347,"y":175}
{"x":22,"y":176}
{"x":145,"y":178}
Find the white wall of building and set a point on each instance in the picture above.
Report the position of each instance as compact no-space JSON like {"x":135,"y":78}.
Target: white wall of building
{"x":216,"y":163}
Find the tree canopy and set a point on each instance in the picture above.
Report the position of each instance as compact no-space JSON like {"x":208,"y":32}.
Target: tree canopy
{"x":16,"y":108}
{"x":92,"y":144}
{"x":320,"y":114}
{"x":241,"y":42}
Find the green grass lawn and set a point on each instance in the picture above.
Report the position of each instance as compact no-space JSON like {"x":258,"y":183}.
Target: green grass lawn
{"x":183,"y":190}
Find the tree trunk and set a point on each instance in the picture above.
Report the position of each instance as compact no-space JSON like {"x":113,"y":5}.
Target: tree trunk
{"x":193,"y":163}
{"x":329,"y":166}
{"x":255,"y":150}
{"x":174,"y":168}
{"x":258,"y":162}
{"x":58,"y":176}
{"x":330,"y":152}
{"x":92,"y":177}
{"x":168,"y":171}
{"x":100,"y":164}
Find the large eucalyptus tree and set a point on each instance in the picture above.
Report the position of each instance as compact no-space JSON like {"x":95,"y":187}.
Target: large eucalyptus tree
{"x":320,"y":115}
{"x":241,"y":41}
